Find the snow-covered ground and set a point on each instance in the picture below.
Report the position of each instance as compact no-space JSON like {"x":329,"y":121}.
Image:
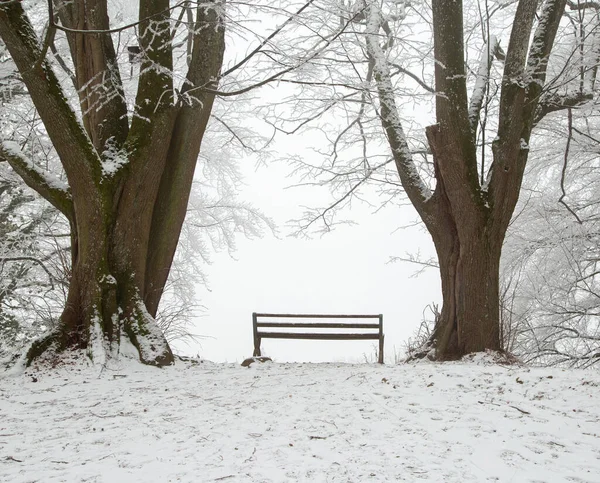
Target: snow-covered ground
{"x":206,"y":422}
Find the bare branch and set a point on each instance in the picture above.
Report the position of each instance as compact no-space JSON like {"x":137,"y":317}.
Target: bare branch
{"x":68,"y":137}
{"x":552,"y":102}
{"x":50,"y":33}
{"x":323,"y":214}
{"x":267,"y":39}
{"x":402,"y":70}
{"x":235,"y":135}
{"x":414,"y":186}
{"x":583,"y":5}
{"x":315,"y":52}
{"x":537,"y":61}
{"x":482,"y":81}
{"x":115,"y":30}
{"x":514,"y":66}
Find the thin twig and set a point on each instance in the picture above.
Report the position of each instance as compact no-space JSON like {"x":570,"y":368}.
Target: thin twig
{"x":266,"y":40}
{"x":117,"y":29}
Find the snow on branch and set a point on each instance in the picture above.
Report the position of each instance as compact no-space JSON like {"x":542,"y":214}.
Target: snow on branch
{"x":319,"y":47}
{"x":490,"y":50}
{"x":51,"y":278}
{"x":514,"y":65}
{"x":46,"y":184}
{"x":543,"y":41}
{"x":414,"y":186}
{"x":552,"y":102}
{"x":583,"y":5}
{"x":525,"y":69}
{"x":70,"y":140}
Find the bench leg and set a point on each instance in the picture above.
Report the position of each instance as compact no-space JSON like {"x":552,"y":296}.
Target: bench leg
{"x":256,"y":347}
{"x":381,"y":350}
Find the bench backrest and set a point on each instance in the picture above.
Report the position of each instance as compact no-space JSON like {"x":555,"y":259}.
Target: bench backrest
{"x":370,"y":327}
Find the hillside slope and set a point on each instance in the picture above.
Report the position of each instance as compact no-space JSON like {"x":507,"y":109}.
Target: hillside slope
{"x":205,"y":422}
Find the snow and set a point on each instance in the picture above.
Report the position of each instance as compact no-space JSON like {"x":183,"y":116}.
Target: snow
{"x":109,"y":280}
{"x":204,"y":422}
{"x":151,"y":341}
{"x":97,"y":351}
{"x":113,"y":160}
{"x":482,"y":79}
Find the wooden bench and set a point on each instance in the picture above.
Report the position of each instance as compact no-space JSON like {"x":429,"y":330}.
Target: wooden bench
{"x":371,"y":330}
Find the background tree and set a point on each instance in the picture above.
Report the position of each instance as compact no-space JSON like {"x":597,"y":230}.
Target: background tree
{"x":550,"y":263}
{"x":34,"y":258}
{"x":550,"y":272}
{"x":32,"y":276}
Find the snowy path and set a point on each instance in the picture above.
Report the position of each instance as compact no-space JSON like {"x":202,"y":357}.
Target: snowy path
{"x":301,"y":423}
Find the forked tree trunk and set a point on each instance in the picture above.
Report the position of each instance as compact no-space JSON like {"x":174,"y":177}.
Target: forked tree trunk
{"x":125,"y":220}
{"x":469,"y":262}
{"x":104,"y":306}
{"x":466,"y":218}
{"x":468,"y":245}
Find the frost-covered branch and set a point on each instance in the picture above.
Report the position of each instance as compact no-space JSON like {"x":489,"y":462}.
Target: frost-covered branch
{"x":267,"y":39}
{"x":552,"y":102}
{"x":402,"y":70}
{"x":69,"y":138}
{"x":155,"y":14}
{"x":51,"y":277}
{"x":47,"y":185}
{"x":414,"y":186}
{"x":514,"y":66}
{"x":416,"y":259}
{"x":522,"y":85}
{"x":324,"y":214}
{"x":539,"y":53}
{"x":583,"y":5}
{"x":490,"y":50}
{"x":313,"y":52}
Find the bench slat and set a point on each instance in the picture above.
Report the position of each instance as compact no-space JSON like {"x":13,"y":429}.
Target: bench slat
{"x":323,"y":336}
{"x":318,"y":325}
{"x":320,"y":316}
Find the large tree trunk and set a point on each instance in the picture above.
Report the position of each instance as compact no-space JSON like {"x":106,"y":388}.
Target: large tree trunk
{"x":468,"y":250}
{"x":469,"y":320}
{"x":469,"y":261}
{"x":104,"y":307}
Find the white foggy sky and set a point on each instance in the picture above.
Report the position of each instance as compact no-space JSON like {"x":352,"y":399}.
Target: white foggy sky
{"x":345,"y":271}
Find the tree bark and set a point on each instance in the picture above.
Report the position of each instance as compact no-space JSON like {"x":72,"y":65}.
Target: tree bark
{"x":469,"y":321}
{"x":176,"y":182}
{"x":97,"y":76}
